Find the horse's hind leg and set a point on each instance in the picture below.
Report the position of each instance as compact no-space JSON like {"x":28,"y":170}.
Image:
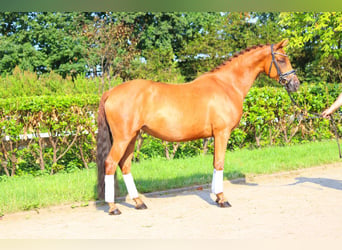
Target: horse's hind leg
{"x":125,"y":165}
{"x":117,"y":151}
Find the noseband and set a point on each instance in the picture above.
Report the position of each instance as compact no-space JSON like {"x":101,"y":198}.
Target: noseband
{"x":282,"y":76}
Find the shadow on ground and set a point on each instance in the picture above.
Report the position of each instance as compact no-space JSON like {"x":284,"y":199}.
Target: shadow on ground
{"x":324,"y":182}
{"x":203,"y":191}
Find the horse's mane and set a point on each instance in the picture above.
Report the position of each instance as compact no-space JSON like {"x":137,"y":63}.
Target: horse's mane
{"x":236,"y":55}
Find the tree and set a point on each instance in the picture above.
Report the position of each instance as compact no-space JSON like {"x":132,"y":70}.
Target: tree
{"x":17,"y":50}
{"x":207,"y":50}
{"x":159,"y":65}
{"x":111,"y":46}
{"x":315,"y":43}
{"x":40,"y":42}
{"x":124,"y":44}
{"x":166,"y":33}
{"x":224,"y":36}
{"x":165,"y":29}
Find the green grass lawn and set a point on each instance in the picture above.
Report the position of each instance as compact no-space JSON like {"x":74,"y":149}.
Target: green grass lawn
{"x":25,"y":193}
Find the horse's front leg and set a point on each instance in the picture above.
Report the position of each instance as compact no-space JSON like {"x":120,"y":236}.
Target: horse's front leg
{"x":221,"y":139}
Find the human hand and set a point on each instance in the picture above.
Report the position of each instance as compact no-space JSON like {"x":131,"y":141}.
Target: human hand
{"x":326,"y":113}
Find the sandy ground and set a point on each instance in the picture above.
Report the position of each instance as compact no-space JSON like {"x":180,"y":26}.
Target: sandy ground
{"x":305,"y":204}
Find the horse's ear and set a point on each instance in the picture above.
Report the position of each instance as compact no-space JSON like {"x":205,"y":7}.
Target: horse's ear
{"x":281,"y":44}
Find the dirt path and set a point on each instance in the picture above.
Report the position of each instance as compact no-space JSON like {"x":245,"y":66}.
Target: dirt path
{"x":303,"y":204}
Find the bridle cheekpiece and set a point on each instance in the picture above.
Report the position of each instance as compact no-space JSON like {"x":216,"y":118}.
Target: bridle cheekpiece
{"x":282,"y":76}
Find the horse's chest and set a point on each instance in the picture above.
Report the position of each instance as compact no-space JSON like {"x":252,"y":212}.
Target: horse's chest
{"x":226,"y":116}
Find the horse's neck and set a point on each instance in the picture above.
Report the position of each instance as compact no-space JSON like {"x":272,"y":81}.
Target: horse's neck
{"x":242,"y":71}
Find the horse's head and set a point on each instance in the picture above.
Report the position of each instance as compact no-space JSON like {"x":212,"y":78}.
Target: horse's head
{"x":278,"y":66}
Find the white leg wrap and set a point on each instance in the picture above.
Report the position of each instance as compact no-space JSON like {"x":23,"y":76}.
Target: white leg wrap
{"x":109,"y":188}
{"x":217,"y":182}
{"x":132,"y":190}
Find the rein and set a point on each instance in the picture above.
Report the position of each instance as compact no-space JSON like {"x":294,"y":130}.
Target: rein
{"x":284,"y":81}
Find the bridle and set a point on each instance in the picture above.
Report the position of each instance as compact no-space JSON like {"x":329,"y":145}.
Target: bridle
{"x":282,"y":76}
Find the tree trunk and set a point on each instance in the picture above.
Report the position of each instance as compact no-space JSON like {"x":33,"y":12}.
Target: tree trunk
{"x":140,"y":140}
{"x":4,"y":163}
{"x":41,"y":153}
{"x":205,"y":145}
{"x":82,"y":156}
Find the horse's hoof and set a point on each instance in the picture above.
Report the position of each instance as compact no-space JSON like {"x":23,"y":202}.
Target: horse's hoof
{"x":141,"y":206}
{"x":115,"y":212}
{"x":224,"y":204}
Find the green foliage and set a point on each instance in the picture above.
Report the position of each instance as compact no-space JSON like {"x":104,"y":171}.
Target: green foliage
{"x":41,"y":42}
{"x":29,"y":105}
{"x":125,"y":44}
{"x":165,"y":30}
{"x":25,"y":83}
{"x":47,"y":133}
{"x":270,"y":118}
{"x":222,"y":37}
{"x":158,"y":66}
{"x":315,"y":43}
{"x":110,"y":46}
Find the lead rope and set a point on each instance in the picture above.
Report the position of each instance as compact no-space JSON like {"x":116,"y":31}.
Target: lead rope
{"x":319,"y":116}
{"x":332,"y":122}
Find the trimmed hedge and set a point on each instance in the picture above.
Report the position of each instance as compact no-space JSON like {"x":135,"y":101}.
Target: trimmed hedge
{"x":26,"y":83}
{"x":270,"y":118}
{"x":49,"y":134}
{"x":46,"y":103}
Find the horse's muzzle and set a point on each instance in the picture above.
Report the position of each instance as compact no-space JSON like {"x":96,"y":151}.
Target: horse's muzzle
{"x":292,"y":84}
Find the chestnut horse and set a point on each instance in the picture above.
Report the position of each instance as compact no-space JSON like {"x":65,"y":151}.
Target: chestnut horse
{"x":210,"y":105}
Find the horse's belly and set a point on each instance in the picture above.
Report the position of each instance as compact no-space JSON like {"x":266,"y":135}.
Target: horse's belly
{"x":178,"y":133}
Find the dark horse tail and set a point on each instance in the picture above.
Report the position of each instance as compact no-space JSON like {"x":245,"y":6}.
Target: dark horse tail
{"x":104,"y":144}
